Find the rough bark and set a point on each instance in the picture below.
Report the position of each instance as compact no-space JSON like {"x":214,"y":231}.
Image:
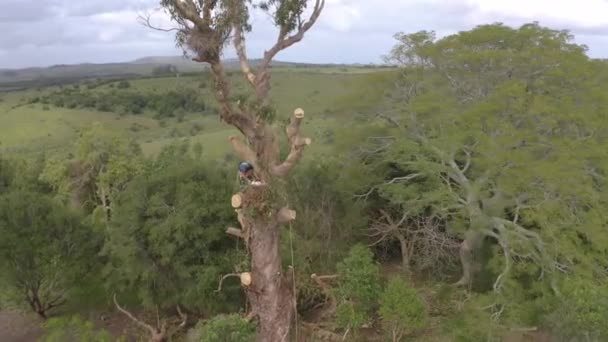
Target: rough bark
{"x":270,"y":292}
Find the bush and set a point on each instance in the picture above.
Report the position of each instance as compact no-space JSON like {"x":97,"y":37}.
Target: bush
{"x":401,"y":310}
{"x":73,"y":329}
{"x":223,"y":328}
{"x":180,"y":114}
{"x":123,"y":84}
{"x":196,"y":128}
{"x":358,"y":288}
{"x":583,"y":313}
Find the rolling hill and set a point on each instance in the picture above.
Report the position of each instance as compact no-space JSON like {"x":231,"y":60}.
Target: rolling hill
{"x":19,"y":79}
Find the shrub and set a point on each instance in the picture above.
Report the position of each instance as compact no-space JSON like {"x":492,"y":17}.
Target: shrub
{"x":401,"y":309}
{"x":196,"y":128}
{"x":583,"y":313}
{"x":358,"y":288}
{"x":180,"y":114}
{"x":123,"y":84}
{"x":73,"y":329}
{"x":223,"y":328}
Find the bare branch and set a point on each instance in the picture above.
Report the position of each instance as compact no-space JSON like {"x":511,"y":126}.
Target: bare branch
{"x":184,"y":318}
{"x":243,"y":122}
{"x":145,"y":20}
{"x":468,"y":161}
{"x":241,"y":51}
{"x":323,"y":278}
{"x":392,"y":181}
{"x":148,"y":327}
{"x":235,"y":232}
{"x":285,"y":215}
{"x":226,"y":276}
{"x":389,"y":119}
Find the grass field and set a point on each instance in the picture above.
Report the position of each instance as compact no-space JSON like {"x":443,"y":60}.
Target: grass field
{"x":330,"y":96}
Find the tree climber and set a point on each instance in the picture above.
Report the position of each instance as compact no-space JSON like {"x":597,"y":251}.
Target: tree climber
{"x":246,"y":175}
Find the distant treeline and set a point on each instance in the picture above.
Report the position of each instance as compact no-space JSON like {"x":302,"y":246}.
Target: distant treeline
{"x":122,"y":101}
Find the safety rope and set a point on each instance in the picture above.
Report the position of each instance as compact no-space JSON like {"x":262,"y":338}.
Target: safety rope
{"x":293,"y":270}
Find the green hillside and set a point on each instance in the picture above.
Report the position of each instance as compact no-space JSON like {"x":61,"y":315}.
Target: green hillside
{"x":327,"y":95}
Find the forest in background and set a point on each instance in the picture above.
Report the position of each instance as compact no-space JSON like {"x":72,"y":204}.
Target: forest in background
{"x":455,"y":198}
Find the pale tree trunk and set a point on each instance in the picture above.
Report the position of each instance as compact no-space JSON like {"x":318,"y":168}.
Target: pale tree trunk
{"x":270,"y":293}
{"x":269,"y":290}
{"x":405,"y":253}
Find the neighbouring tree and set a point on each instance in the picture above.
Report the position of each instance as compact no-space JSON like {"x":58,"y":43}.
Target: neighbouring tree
{"x":45,"y":250}
{"x":165,"y":241}
{"x":101,"y":166}
{"x":204,"y":28}
{"x":503,"y":129}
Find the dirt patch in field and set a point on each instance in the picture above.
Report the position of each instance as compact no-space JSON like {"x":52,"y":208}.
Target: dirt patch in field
{"x":17,"y":327}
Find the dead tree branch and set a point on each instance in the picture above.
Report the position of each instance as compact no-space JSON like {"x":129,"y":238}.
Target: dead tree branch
{"x":226,"y":276}
{"x":145,"y":19}
{"x":157,"y":334}
{"x":235,"y":232}
{"x":286,"y":215}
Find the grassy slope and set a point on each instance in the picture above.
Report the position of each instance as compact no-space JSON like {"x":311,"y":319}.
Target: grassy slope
{"x":328,"y":96}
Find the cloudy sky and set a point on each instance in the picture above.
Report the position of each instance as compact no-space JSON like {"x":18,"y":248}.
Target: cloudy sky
{"x":47,"y":32}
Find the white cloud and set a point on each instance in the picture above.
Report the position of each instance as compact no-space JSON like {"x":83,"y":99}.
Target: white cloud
{"x":582,"y":13}
{"x":68,"y":31}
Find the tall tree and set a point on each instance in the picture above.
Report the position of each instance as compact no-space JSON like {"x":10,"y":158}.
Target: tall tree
{"x":205,"y":27}
{"x":505,"y":134}
{"x":166,"y":238}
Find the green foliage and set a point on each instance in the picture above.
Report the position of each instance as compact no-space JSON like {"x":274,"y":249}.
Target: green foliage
{"x":73,"y":328}
{"x":132,"y":102}
{"x":101,"y":168}
{"x":329,"y":221}
{"x":359,"y":287}
{"x":124,"y":84}
{"x":401,"y":311}
{"x":583,"y":313}
{"x":45,"y":250}
{"x":223,"y":328}
{"x":166,"y":238}
{"x":472,"y":324}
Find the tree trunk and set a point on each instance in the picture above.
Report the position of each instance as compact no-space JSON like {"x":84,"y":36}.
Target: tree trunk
{"x":466,"y":260}
{"x":471,"y":243}
{"x":405,"y":255}
{"x":270,"y":292}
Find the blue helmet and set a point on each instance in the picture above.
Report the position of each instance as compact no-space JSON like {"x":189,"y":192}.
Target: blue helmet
{"x":245,"y":166}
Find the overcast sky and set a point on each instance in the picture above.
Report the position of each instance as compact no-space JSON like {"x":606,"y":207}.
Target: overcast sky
{"x":47,"y":32}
